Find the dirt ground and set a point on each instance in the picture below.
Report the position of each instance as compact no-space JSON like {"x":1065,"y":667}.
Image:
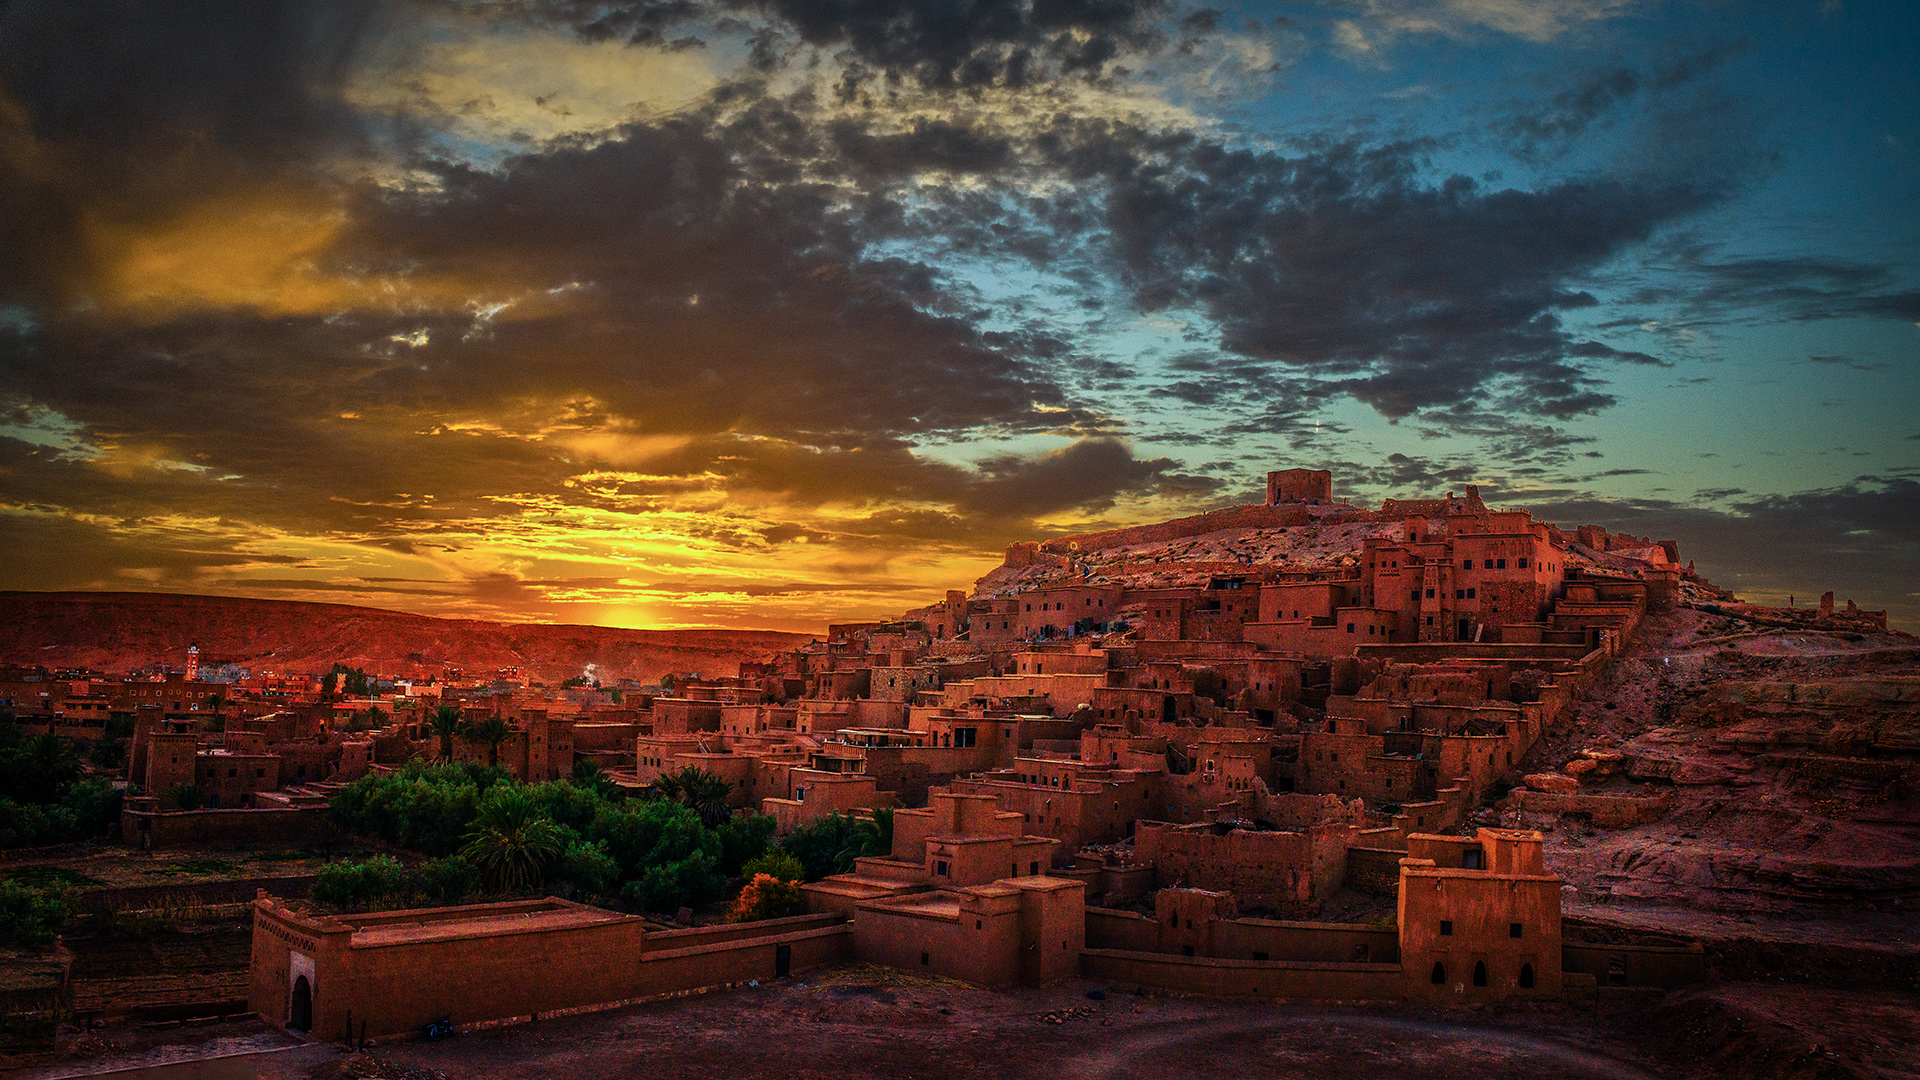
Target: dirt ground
{"x":856,"y":1022}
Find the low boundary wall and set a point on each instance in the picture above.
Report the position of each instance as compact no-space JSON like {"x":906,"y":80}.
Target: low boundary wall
{"x":1245,"y":978}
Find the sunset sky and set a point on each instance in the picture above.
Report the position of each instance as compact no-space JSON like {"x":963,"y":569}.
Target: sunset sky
{"x":770,"y":312}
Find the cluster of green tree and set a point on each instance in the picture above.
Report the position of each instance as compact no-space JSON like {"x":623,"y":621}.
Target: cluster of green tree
{"x":371,"y":718}
{"x":30,"y":917}
{"x":341,"y":679}
{"x":46,"y":800}
{"x":577,"y":834}
{"x":385,"y":882}
{"x":678,"y":848}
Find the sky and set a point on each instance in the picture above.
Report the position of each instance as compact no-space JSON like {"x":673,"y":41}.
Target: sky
{"x":769,"y":313}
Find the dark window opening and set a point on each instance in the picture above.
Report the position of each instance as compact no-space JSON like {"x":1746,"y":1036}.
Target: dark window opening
{"x":1439,"y":974}
{"x":1480,"y":973}
{"x":1515,"y":930}
{"x":925,"y":959}
{"x":1526,"y":976}
{"x":1446,"y":927}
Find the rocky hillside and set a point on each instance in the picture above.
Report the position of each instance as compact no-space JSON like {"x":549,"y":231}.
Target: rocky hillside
{"x":1779,"y":767}
{"x":117,"y":632}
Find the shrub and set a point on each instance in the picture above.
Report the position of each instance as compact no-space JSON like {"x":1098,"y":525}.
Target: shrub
{"x":688,"y":882}
{"x":30,"y":917}
{"x":743,"y":837}
{"x":767,"y":897}
{"x":829,"y":845}
{"x":587,"y":867}
{"x":95,"y":805}
{"x":183,"y":797}
{"x":447,"y":881}
{"x":358,"y":886}
{"x":27,"y":825}
{"x":775,"y":864}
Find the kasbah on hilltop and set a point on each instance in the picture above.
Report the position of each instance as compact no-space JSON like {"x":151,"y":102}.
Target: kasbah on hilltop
{"x":1431,"y":753}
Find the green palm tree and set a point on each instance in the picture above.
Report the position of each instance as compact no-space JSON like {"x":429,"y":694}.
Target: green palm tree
{"x":445,"y":722}
{"x":699,"y":789}
{"x":492,"y":730}
{"x":511,"y":840}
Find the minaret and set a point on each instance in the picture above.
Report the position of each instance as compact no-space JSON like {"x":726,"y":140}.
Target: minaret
{"x":193,"y":662}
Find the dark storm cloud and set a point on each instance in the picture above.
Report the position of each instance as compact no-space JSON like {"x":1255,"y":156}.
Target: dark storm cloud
{"x":1344,"y":263}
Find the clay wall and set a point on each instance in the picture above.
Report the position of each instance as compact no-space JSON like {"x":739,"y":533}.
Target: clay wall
{"x":1299,"y":485}
{"x":1310,"y":942}
{"x":1089,"y":812}
{"x":237,"y":827}
{"x":975,"y":939}
{"x":170,"y":761}
{"x":1286,"y":871}
{"x":229,"y":780}
{"x":1637,"y":965}
{"x":1605,"y":811}
{"x":397,"y":988}
{"x":1244,"y":978}
{"x":1374,"y":870}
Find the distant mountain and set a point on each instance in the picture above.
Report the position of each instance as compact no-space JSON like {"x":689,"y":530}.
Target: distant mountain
{"x":116,"y":632}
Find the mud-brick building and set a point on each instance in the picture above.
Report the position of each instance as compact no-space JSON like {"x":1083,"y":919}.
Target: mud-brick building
{"x":378,"y":975}
{"x":1479,"y":917}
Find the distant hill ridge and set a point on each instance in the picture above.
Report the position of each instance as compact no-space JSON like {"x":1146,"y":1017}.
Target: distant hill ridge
{"x":119,"y":631}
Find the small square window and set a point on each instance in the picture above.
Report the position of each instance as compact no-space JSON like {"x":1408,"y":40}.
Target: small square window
{"x":1466,"y":564}
{"x":1429,"y":594}
{"x":1523,"y":564}
{"x":1470,"y":594}
{"x":940,"y":867}
{"x":1515,"y":930}
{"x":924,"y":959}
{"x":1489,"y":563}
{"x":1446,"y":927}
{"x":1501,"y":563}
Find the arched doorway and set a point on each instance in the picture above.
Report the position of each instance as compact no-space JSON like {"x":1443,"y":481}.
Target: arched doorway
{"x":300,"y":1016}
{"x":1480,"y":973}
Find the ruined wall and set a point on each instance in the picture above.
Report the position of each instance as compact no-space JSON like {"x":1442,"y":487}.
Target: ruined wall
{"x":1287,"y":871}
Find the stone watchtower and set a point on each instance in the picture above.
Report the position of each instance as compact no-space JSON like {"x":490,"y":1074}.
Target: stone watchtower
{"x":1299,"y":486}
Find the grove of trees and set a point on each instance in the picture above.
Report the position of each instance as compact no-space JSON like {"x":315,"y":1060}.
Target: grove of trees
{"x":581,"y":837}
